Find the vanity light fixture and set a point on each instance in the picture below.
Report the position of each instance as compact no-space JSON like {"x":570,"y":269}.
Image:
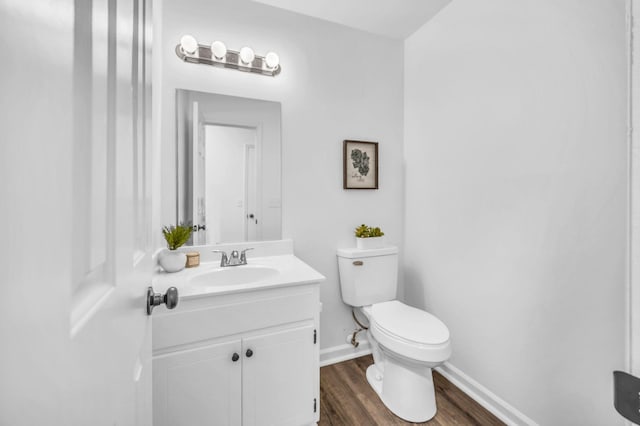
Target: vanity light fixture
{"x":218,"y":50}
{"x":188,"y":44}
{"x":217,"y":54}
{"x":247,"y":55}
{"x":272,"y":60}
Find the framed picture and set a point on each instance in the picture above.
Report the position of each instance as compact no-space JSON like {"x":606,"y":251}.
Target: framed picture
{"x":360,"y":165}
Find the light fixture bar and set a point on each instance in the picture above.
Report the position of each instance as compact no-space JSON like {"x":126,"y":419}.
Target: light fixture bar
{"x":231,"y":59}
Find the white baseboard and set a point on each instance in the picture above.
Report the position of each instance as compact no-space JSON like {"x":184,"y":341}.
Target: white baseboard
{"x":340,"y":353}
{"x":483,"y":396}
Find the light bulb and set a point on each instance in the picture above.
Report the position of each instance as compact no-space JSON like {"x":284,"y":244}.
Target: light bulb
{"x":218,"y":50}
{"x":189,"y":44}
{"x":246,"y":55}
{"x":272,"y":60}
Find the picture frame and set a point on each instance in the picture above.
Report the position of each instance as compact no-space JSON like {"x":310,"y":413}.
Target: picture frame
{"x":360,"y":165}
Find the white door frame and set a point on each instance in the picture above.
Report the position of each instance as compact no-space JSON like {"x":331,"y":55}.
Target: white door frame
{"x":632,"y":361}
{"x":633,"y":334}
{"x":250,"y":206}
{"x":633,"y":256}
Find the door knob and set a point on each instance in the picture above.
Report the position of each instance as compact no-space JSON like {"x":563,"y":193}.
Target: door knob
{"x":170,"y":298}
{"x":235,"y":357}
{"x":249,"y":353}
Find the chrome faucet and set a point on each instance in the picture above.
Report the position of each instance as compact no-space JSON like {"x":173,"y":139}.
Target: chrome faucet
{"x":234,"y":259}
{"x":224,"y":260}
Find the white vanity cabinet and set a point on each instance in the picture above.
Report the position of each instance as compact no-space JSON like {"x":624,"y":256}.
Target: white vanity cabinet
{"x":248,"y":358}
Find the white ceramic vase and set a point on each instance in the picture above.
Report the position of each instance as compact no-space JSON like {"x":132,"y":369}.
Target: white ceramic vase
{"x":370,"y":243}
{"x":172,"y":260}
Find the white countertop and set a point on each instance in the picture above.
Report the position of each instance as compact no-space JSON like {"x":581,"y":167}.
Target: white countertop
{"x":291,"y":271}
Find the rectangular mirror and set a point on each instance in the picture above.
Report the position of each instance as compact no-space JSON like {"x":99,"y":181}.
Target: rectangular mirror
{"x":228,"y":167}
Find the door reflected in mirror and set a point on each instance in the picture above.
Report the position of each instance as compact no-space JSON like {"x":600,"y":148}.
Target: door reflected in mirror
{"x":228,"y":194}
{"x":228,"y":167}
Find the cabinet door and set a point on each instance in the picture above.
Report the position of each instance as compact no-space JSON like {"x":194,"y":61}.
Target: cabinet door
{"x":279,"y":379}
{"x":198,"y":386}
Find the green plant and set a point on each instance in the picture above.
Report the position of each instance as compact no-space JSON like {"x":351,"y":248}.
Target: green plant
{"x":364,"y":231}
{"x":177,"y":235}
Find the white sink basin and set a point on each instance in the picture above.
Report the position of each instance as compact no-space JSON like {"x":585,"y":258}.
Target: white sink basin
{"x":234,"y":275}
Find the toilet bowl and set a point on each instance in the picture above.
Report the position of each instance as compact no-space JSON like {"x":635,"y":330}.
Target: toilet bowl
{"x":406,"y":342}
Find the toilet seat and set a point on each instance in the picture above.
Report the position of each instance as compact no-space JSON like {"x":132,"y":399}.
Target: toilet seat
{"x":410,"y":332}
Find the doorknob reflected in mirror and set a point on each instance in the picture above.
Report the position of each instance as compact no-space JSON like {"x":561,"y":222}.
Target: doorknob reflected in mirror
{"x":170,"y":298}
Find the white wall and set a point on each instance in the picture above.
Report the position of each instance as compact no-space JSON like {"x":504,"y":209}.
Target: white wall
{"x":333,"y":86}
{"x":516,"y":179}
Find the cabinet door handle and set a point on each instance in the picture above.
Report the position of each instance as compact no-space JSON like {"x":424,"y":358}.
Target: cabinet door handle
{"x":235,"y":357}
{"x":249,"y":353}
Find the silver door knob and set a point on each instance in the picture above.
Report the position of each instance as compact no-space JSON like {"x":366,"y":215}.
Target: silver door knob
{"x":170,"y":298}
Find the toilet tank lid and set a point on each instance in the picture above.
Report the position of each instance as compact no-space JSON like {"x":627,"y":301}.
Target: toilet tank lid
{"x":352,"y":252}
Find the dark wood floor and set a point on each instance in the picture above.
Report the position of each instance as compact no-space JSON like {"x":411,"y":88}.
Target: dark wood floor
{"x":347,"y":399}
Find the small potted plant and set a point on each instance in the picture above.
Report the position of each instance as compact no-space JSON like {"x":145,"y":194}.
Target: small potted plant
{"x":368,"y":237}
{"x":176,"y":236}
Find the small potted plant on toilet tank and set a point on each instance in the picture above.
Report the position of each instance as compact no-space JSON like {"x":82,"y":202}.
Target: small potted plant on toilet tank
{"x":176,"y":236}
{"x":368,"y":237}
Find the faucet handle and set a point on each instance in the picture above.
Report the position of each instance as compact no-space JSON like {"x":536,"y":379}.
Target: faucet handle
{"x":224,"y":260}
{"x":243,"y":256}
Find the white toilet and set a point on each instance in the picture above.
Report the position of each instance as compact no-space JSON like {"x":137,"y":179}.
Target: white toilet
{"x":406,"y":342}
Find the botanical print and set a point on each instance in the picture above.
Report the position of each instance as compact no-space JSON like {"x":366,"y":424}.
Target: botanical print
{"x":360,"y":161}
{"x":360,"y":165}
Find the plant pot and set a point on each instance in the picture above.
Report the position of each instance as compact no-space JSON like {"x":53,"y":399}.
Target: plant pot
{"x":370,"y":243}
{"x":172,"y":261}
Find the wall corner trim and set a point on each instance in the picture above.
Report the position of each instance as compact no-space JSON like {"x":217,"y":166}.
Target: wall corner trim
{"x":483,"y":396}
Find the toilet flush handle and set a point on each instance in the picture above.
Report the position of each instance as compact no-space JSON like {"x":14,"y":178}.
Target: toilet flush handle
{"x":358,"y":263}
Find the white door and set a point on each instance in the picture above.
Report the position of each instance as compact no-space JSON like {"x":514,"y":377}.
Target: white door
{"x":76,"y":190}
{"x":198,"y":176}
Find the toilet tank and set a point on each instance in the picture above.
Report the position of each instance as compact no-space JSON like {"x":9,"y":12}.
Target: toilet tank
{"x":368,"y":276}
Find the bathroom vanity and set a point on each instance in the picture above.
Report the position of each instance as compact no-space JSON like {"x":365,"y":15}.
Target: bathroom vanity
{"x":241,"y":347}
